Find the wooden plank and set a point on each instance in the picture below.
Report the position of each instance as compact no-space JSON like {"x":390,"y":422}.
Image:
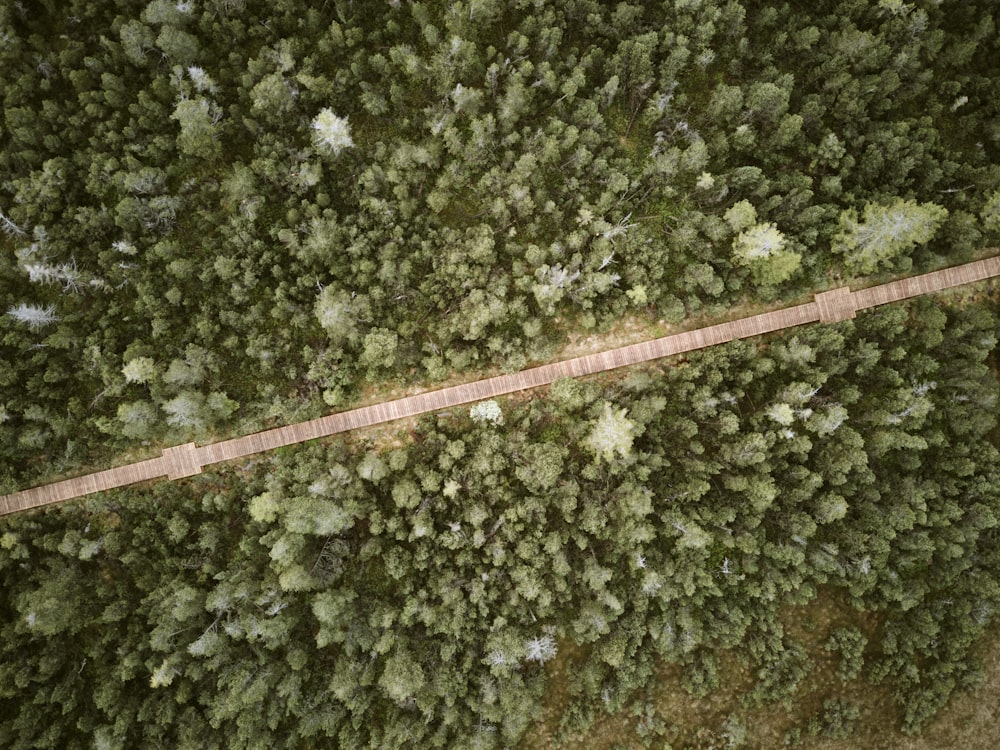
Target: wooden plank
{"x":187,"y":460}
{"x":835,"y":305}
{"x":81,"y":486}
{"x":182,"y":461}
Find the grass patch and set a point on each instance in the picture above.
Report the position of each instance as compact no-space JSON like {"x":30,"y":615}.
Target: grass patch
{"x":665,"y":715}
{"x":635,"y":137}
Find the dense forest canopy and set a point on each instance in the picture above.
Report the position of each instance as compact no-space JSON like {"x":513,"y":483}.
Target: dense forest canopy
{"x":220,"y":214}
{"x":228,"y":210}
{"x":408,"y":593}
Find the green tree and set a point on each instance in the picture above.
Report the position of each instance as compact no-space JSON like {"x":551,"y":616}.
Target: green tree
{"x":612,"y":433}
{"x":331,"y":133}
{"x":403,"y":677}
{"x":335,"y":311}
{"x":541,"y":467}
{"x":179,"y":46}
{"x":885,"y":233}
{"x":140,"y":370}
{"x":990,"y":214}
{"x":198,"y":119}
{"x":850,"y":643}
{"x":379,"y":350}
{"x":138,"y":419}
{"x":761,"y":248}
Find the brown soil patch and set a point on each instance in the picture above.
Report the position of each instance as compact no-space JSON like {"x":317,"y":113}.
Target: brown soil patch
{"x":968,"y":721}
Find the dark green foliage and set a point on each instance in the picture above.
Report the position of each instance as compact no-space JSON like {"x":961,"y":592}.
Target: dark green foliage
{"x":514,"y":171}
{"x":850,"y":643}
{"x":410,"y":596}
{"x":183,"y":253}
{"x":835,"y":721}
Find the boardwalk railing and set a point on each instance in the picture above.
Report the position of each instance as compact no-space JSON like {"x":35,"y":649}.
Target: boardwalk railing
{"x":188,"y":459}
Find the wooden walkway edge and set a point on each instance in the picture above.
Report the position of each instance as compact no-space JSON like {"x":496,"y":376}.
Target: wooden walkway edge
{"x":188,"y":459}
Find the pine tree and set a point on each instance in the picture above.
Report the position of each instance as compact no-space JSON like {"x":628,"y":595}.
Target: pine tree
{"x":761,"y":248}
{"x":885,"y":232}
{"x":198,"y":119}
{"x":332,"y":133}
{"x":138,"y":418}
{"x":139,"y":370}
{"x":335,"y":312}
{"x":402,"y":677}
{"x":487,"y":412}
{"x":611,"y":434}
{"x":186,"y":410}
{"x":34,"y":316}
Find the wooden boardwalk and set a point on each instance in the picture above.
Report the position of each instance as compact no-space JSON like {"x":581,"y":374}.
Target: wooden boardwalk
{"x":188,"y":459}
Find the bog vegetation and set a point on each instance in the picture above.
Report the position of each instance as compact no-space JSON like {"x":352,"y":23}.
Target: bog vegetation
{"x":219,"y":215}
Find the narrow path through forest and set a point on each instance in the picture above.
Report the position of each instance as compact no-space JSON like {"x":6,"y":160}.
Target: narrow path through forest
{"x":189,"y":459}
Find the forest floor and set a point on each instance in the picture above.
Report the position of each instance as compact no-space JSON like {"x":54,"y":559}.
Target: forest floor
{"x":689,"y":722}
